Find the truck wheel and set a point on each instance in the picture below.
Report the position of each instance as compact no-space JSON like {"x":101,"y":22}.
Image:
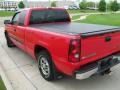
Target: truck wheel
{"x":9,"y":42}
{"x":46,"y":66}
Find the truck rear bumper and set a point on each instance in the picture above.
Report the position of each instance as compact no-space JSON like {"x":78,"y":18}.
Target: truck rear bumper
{"x":98,"y":67}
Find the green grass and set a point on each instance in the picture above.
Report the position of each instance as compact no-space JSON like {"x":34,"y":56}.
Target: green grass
{"x":2,"y":86}
{"x":104,"y":19}
{"x":6,"y":13}
{"x":75,"y":17}
{"x":82,"y":11}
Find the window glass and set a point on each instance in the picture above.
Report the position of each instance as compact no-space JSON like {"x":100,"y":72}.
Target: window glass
{"x":15,"y":18}
{"x":37,"y":16}
{"x":22,"y":18}
{"x":48,"y":16}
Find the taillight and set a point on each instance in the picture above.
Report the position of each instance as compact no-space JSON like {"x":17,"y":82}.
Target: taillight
{"x":74,"y":51}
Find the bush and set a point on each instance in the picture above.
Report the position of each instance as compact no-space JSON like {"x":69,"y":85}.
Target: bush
{"x":114,"y":6}
{"x":53,"y":4}
{"x":21,"y":5}
{"x":83,"y":5}
{"x":102,"y":6}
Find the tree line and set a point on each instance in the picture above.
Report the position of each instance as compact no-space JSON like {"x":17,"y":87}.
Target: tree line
{"x":102,"y":5}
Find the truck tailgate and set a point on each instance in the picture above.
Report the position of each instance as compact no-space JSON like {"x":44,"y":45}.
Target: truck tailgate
{"x":100,"y":45}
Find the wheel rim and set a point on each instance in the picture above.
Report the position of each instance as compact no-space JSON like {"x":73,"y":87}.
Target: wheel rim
{"x":44,"y":66}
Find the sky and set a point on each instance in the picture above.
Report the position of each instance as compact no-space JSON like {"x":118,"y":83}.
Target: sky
{"x":61,"y":0}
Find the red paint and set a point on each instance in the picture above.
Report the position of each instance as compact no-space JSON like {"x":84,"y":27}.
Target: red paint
{"x":59,"y":45}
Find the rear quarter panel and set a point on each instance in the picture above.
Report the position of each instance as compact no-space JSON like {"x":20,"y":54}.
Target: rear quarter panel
{"x":57,"y":45}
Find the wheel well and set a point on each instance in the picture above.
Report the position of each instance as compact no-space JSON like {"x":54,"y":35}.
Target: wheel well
{"x":39,"y":48}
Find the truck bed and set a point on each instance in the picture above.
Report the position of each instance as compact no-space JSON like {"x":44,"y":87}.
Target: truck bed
{"x":93,"y":48}
{"x":77,"y":28}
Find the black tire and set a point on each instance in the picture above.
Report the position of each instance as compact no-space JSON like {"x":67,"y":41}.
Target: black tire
{"x":52,"y":74}
{"x":10,"y":44}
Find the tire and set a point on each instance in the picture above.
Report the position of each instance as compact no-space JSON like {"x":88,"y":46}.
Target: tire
{"x":46,"y":66}
{"x":10,"y":44}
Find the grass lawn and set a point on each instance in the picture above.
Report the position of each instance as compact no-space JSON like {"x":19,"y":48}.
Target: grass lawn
{"x":2,"y":86}
{"x":75,"y":17}
{"x":106,"y":19}
{"x":6,"y":13}
{"x":83,"y":11}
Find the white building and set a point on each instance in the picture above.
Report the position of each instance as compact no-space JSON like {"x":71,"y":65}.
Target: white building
{"x":30,"y":4}
{"x":8,"y":4}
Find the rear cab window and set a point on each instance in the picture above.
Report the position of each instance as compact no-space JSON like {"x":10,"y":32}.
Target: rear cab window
{"x":49,"y":16}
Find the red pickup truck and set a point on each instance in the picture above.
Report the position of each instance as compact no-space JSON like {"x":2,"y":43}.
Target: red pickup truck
{"x":61,"y":46}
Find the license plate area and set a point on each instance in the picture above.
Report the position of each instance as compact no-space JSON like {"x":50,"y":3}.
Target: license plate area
{"x":107,"y":63}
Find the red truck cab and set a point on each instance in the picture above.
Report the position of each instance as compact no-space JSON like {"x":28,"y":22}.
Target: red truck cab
{"x":61,"y":46}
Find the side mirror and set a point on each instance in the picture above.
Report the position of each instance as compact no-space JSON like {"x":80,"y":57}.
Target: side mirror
{"x":7,"y":22}
{"x":14,"y":22}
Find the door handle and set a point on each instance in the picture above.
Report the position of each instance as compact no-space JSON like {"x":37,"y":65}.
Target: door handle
{"x":108,"y":38}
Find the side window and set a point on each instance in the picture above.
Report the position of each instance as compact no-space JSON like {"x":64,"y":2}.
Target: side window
{"x":15,"y":18}
{"x":22,"y":18}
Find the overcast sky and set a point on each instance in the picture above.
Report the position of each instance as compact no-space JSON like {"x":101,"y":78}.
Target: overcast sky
{"x":59,"y":0}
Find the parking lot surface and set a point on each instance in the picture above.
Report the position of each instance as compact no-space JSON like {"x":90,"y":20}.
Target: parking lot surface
{"x":23,"y":73}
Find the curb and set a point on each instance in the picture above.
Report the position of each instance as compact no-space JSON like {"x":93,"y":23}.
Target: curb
{"x":5,"y":79}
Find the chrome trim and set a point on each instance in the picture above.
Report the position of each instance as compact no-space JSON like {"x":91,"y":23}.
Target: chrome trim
{"x":90,"y":55}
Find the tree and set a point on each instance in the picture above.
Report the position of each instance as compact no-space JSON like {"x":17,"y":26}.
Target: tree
{"x":53,"y":4}
{"x":102,"y":6}
{"x":83,"y":5}
{"x":114,"y":6}
{"x":21,"y":5}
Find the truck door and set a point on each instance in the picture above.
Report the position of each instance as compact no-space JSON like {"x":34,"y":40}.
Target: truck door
{"x":20,"y":30}
{"x":11,"y":28}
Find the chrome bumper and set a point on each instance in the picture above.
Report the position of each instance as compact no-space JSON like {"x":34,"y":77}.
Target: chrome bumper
{"x":86,"y":74}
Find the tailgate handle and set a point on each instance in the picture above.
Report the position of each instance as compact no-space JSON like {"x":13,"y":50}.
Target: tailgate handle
{"x":108,"y":38}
